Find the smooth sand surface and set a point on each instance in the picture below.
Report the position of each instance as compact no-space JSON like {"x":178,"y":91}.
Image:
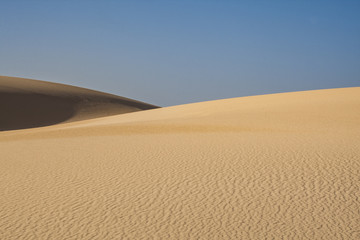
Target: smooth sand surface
{"x":26,"y":103}
{"x":280,"y":166}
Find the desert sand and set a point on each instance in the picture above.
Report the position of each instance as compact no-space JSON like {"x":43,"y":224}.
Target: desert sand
{"x":26,"y":103}
{"x":278,"y":166}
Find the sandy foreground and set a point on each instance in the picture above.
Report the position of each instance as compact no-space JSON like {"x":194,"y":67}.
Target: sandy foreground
{"x":279,"y":166}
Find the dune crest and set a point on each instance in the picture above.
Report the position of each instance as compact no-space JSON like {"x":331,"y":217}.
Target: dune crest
{"x":26,"y":103}
{"x":278,"y":166}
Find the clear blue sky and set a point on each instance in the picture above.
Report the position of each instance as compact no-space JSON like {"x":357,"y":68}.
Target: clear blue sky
{"x":175,"y":52}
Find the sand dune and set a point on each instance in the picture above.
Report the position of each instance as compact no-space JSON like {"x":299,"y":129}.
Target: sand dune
{"x":26,"y":103}
{"x":280,"y":166}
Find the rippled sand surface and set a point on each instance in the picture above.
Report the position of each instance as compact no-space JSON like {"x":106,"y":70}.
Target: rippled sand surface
{"x":280,"y":166}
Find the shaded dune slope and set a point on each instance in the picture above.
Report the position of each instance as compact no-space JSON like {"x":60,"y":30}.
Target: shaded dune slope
{"x":26,"y":103}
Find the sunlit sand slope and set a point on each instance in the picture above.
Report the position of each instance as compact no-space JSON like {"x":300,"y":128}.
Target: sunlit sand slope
{"x":26,"y":103}
{"x":281,"y":166}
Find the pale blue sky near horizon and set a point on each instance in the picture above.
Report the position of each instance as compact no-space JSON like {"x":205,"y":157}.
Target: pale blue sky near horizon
{"x":176,"y":52}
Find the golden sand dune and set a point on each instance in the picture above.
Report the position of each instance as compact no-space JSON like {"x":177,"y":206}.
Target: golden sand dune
{"x":26,"y":103}
{"x":281,"y":166}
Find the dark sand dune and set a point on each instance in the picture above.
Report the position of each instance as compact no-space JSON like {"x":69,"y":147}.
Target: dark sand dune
{"x":26,"y":103}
